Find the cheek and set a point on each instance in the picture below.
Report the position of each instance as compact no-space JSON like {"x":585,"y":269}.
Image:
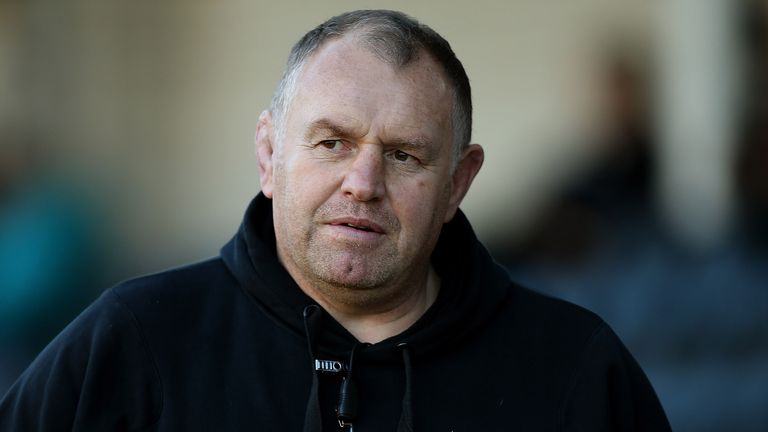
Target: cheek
{"x":308,"y":185}
{"x":419,"y":205}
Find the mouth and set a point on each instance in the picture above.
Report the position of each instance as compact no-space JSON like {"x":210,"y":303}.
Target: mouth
{"x":359,"y":224}
{"x":358,"y":227}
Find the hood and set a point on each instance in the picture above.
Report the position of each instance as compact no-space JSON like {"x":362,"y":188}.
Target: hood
{"x":472,"y":288}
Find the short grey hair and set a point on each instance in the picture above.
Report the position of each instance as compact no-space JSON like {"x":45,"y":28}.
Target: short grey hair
{"x":394,"y":37}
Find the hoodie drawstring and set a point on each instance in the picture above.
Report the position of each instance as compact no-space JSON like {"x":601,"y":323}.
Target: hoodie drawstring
{"x":346,"y":409}
{"x":313,"y":421}
{"x":406,"y":416}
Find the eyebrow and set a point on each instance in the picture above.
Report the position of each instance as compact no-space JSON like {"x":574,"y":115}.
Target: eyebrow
{"x":411,"y":143}
{"x":325,"y":126}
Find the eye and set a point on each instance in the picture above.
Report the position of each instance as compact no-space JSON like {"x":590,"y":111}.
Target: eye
{"x":332,"y":144}
{"x":401,"y":156}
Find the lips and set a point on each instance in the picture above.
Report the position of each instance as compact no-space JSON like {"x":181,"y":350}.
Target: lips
{"x":364,"y":228}
{"x":364,"y":225}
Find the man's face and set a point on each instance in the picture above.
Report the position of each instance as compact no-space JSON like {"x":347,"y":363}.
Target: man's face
{"x":361,"y":183}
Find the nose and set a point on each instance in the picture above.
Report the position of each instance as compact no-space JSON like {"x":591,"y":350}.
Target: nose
{"x":364,"y":179}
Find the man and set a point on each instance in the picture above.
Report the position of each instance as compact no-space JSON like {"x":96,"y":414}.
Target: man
{"x":355,"y":295}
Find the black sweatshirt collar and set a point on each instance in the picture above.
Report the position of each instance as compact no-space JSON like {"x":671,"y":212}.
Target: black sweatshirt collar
{"x":472,"y":288}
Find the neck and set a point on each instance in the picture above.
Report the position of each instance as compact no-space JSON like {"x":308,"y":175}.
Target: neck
{"x":374,"y":325}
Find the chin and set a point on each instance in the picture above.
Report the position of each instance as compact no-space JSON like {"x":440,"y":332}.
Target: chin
{"x":356,"y":269}
{"x":358,"y":278}
{"x":360,"y":294}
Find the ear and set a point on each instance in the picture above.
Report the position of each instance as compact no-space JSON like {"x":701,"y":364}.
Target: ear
{"x":469,"y":165}
{"x":265,"y":136}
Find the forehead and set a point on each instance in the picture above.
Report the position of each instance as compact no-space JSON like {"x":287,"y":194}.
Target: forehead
{"x":345,"y":81}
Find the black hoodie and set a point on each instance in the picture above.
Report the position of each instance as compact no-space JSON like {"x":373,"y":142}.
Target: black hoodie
{"x":232,"y":343}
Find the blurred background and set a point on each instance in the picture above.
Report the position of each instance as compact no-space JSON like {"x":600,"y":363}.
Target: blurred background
{"x":626,"y":163}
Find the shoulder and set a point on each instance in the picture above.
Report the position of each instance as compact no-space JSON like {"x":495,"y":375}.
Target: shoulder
{"x":113,"y":348}
{"x":102,"y":352}
{"x":179,"y":306}
{"x":550,"y":320}
{"x":601,"y":386}
{"x":179,"y":293}
{"x":553,"y":333}
{"x":199,"y":276}
{"x":608,"y":389}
